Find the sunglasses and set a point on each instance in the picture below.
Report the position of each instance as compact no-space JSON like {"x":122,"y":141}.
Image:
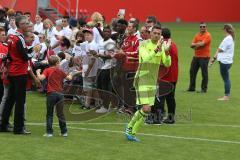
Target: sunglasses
{"x":202,"y":26}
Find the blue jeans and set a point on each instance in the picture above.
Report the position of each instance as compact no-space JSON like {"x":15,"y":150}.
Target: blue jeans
{"x":224,"y":70}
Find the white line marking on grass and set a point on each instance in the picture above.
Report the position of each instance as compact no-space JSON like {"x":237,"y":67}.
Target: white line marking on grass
{"x":157,"y":135}
{"x":146,"y":134}
{"x":210,"y":125}
{"x":109,"y":123}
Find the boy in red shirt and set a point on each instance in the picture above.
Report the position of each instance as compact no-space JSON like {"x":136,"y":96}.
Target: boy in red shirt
{"x":54,"y":77}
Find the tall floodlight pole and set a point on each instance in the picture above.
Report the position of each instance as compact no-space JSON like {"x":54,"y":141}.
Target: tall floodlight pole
{"x":77,"y":9}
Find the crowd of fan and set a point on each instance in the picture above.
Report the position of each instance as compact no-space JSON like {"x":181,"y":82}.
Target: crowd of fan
{"x":100,"y":58}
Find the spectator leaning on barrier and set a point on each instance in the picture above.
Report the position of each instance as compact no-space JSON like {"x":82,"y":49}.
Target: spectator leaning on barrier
{"x":90,"y":68}
{"x":104,"y":78}
{"x":128,"y":69}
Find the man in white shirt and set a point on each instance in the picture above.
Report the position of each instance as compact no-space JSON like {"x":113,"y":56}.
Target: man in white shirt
{"x":67,"y":32}
{"x":57,"y":34}
{"x":106,"y":52}
{"x":38,"y":27}
{"x":13,"y":27}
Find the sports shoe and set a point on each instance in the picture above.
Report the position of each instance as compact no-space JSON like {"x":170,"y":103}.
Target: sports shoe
{"x":190,"y":90}
{"x":48,"y":135}
{"x":64,"y":134}
{"x":157,"y":123}
{"x":128,"y":111}
{"x":169,"y":121}
{"x":121,"y":110}
{"x":101,"y":110}
{"x":23,"y":132}
{"x":202,"y":91}
{"x":132,"y":138}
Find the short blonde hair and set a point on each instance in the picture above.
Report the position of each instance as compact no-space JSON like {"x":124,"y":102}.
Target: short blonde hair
{"x":96,"y":17}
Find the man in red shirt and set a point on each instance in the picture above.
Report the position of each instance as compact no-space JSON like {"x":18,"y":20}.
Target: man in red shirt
{"x":3,"y":54}
{"x":54,"y":76}
{"x":17,"y":76}
{"x":167,"y":81}
{"x":129,"y":66}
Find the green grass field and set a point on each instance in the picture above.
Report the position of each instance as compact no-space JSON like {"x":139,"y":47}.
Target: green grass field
{"x":206,"y":129}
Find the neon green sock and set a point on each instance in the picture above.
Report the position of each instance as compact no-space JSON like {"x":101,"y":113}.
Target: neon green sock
{"x":135,"y":117}
{"x":136,"y":121}
{"x":137,"y":125}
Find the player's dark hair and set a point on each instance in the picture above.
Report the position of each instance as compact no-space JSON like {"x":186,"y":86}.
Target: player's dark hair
{"x":166,"y":33}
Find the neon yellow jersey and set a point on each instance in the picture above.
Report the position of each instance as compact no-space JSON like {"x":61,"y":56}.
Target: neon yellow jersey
{"x":146,"y":76}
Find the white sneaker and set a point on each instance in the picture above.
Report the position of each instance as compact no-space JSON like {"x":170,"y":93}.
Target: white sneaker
{"x":101,"y":110}
{"x":48,"y":135}
{"x":64,"y":134}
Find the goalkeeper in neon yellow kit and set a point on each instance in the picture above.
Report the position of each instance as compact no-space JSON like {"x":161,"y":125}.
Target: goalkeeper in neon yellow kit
{"x":151,"y":55}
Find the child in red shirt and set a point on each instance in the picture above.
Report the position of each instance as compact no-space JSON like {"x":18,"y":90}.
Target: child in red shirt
{"x":54,"y":77}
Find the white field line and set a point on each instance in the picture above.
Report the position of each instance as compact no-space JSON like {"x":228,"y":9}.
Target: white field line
{"x":109,"y":123}
{"x":151,"y":135}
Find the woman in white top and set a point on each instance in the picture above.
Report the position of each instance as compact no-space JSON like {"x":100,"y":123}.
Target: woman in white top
{"x":224,"y":55}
